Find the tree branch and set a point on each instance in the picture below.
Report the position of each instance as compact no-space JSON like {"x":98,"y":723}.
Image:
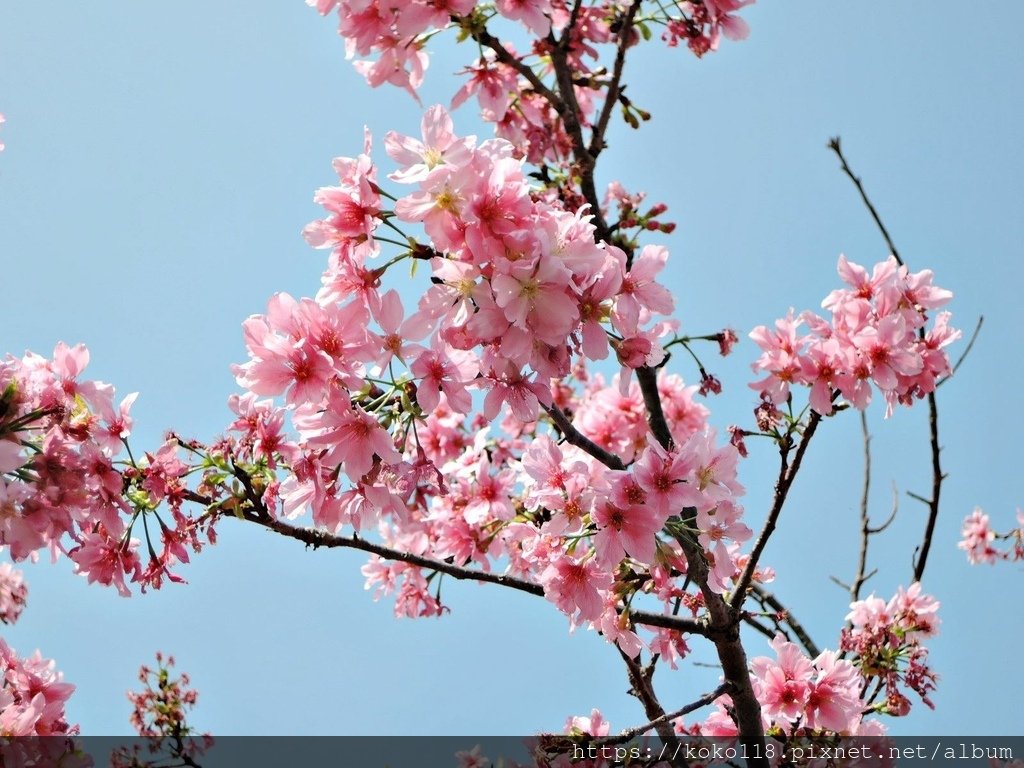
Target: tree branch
{"x":937,"y":477}
{"x":647,"y":377}
{"x":835,"y":146}
{"x":703,"y":701}
{"x":963,"y":355}
{"x":787,"y":474}
{"x":574,"y":437}
{"x":569,"y":111}
{"x":318,"y":539}
{"x":921,"y":559}
{"x":724,"y":632}
{"x":611,"y":98}
{"x":502,"y":54}
{"x":865,"y":520}
{"x":642,"y":688}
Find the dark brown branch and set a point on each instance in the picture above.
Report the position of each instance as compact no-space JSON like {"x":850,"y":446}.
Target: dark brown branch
{"x":750,"y":621}
{"x":642,"y":688}
{"x":574,"y":437}
{"x":647,"y":377}
{"x":787,"y":474}
{"x":866,"y":529}
{"x":834,"y":145}
{"x":631,"y":733}
{"x":724,"y":632}
{"x":317,"y":539}
{"x":668,"y":621}
{"x":614,"y":85}
{"x":937,"y":477}
{"x":569,"y":110}
{"x":865,"y":520}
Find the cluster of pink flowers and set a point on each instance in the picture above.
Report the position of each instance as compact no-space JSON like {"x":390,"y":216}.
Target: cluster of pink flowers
{"x":979,"y":539}
{"x":61,"y":485}
{"x":32,"y":696}
{"x":875,"y":336}
{"x":795,"y":691}
{"x":397,"y":34}
{"x":521,"y":296}
{"x":799,"y":696}
{"x":885,"y":639}
{"x":703,"y":23}
{"x":13,"y":593}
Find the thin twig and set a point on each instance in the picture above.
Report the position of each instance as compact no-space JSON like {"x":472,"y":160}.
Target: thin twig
{"x":614,"y":85}
{"x":642,"y":688}
{"x":937,"y":478}
{"x":631,"y":733}
{"x":865,"y":520}
{"x":963,"y":355}
{"x":834,"y":145}
{"x":892,"y":513}
{"x":787,"y":474}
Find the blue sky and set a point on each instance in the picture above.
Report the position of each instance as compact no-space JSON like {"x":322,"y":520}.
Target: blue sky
{"x":160,"y":166}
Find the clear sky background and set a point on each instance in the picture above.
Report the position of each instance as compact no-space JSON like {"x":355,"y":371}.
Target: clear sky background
{"x":160,"y":165}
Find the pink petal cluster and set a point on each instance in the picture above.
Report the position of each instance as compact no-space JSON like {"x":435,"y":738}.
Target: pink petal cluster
{"x":394,"y":35}
{"x":32,"y":696}
{"x":13,"y":593}
{"x":876,"y":336}
{"x":979,"y":539}
{"x":798,"y":692}
{"x":885,"y":639}
{"x":703,"y":22}
{"x":61,"y":483}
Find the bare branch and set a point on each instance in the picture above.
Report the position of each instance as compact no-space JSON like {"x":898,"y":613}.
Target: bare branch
{"x":865,"y":520}
{"x":703,"y":701}
{"x":317,"y":539}
{"x":834,"y":145}
{"x":787,"y":474}
{"x":963,"y":355}
{"x":668,"y":621}
{"x":570,"y":114}
{"x":750,"y":621}
{"x":614,"y":85}
{"x":937,"y":478}
{"x":892,"y":513}
{"x":642,"y":688}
